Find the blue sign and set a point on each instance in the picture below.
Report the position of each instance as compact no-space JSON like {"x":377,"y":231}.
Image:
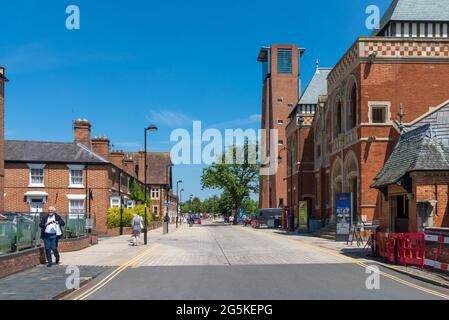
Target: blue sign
{"x":343,"y":214}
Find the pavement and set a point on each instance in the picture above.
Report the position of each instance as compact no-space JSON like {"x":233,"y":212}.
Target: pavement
{"x":215,"y":261}
{"x":42,"y":283}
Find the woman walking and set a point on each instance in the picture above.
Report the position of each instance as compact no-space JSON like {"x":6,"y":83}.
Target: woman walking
{"x":137,"y":227}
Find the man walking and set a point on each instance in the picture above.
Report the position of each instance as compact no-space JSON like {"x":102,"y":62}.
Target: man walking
{"x":51,"y":225}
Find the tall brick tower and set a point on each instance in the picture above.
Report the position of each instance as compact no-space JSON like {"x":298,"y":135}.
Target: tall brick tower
{"x":3,"y":79}
{"x":281,"y":90}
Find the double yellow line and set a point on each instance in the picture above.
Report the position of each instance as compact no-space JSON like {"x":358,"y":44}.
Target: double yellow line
{"x":357,"y":262}
{"x":115,"y":273}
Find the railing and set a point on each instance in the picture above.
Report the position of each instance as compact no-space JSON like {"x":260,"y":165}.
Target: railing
{"x":20,"y":231}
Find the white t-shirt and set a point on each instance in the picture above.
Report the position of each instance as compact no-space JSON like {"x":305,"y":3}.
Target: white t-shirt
{"x":51,"y":228}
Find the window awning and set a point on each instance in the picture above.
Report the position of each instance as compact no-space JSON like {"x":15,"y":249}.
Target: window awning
{"x":36,"y":194}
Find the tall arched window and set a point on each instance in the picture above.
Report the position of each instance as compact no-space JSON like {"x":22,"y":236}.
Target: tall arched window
{"x":339,"y":118}
{"x":353,"y":107}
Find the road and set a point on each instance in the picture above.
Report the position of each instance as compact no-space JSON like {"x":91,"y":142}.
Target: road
{"x":217,"y":261}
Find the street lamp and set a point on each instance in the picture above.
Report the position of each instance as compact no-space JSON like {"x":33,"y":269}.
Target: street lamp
{"x":177,"y":201}
{"x":300,"y":124}
{"x":151,"y":128}
{"x":180,"y":201}
{"x":167,"y":202}
{"x":291,"y":222}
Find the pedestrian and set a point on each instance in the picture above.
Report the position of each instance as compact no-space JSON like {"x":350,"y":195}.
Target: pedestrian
{"x":136,"y":224}
{"x":51,"y":225}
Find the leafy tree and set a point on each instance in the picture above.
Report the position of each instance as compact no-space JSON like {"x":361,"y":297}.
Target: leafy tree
{"x":136,"y":192}
{"x":250,"y":206}
{"x":237,"y":179}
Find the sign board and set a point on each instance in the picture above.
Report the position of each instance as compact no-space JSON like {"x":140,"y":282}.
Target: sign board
{"x":167,"y":204}
{"x":303,"y":215}
{"x":343,"y":214}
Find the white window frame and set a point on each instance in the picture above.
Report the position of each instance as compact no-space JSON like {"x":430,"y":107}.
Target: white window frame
{"x":76,"y":168}
{"x":130,"y":204}
{"x":380,"y":104}
{"x":157,"y":192}
{"x":112,"y":199}
{"x":36,"y":166}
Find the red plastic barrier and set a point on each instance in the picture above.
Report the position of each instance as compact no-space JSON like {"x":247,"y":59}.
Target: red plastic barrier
{"x":407,"y":249}
{"x":255,"y":224}
{"x":414,"y":249}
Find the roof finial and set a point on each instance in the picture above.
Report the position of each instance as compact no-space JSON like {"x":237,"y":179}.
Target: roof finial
{"x":401,"y":115}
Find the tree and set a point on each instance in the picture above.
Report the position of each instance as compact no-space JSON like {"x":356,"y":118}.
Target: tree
{"x":237,"y":178}
{"x":250,"y":206}
{"x":136,"y":192}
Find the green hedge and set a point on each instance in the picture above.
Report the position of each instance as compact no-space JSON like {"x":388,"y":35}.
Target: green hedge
{"x":114,"y":216}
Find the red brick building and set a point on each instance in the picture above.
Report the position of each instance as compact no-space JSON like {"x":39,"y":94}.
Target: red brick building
{"x":356,"y":127}
{"x":82,"y":176}
{"x":281,"y":88}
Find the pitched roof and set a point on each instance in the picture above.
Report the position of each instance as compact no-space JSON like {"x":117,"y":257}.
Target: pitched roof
{"x":416,"y":10}
{"x":417,"y":150}
{"x":316,"y":87}
{"x":45,"y":152}
{"x":157,"y":167}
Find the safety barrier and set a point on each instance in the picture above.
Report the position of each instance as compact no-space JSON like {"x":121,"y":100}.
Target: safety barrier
{"x":406,"y":249}
{"x":437,"y":256}
{"x":255,"y":224}
{"x":382,"y":244}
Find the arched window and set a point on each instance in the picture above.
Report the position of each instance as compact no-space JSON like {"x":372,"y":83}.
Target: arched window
{"x":353,"y":108}
{"x":339,"y":118}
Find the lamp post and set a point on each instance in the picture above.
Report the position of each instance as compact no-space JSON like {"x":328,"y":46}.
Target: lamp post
{"x":167,"y":201}
{"x":291,"y":217}
{"x":300,"y":123}
{"x":151,"y":128}
{"x":177,"y":201}
{"x":180,"y":201}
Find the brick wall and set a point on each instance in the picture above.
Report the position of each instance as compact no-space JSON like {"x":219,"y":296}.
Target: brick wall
{"x":69,"y":245}
{"x":16,"y":262}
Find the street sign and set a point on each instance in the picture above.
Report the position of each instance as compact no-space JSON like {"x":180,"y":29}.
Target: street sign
{"x":167,"y":204}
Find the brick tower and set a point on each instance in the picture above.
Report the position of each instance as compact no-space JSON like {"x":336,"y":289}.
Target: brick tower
{"x":281,"y":89}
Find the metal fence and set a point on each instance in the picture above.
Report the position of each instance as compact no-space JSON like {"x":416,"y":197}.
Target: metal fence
{"x":20,"y":231}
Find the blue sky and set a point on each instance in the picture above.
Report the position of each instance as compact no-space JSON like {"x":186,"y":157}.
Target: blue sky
{"x":168,"y":62}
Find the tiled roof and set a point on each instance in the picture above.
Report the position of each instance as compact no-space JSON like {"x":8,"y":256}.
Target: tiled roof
{"x":56,"y":152}
{"x":157,"y":167}
{"x":416,"y":10}
{"x":417,"y":150}
{"x":316,"y":87}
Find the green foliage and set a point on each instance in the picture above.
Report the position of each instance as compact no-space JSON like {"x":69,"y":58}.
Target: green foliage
{"x":137,"y":192}
{"x":113,"y":220}
{"x":237,"y":179}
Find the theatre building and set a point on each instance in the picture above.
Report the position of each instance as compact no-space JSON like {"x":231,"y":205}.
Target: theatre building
{"x":358,"y":124}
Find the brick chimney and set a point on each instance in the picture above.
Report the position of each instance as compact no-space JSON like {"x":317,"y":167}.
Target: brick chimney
{"x":100,"y":146}
{"x":117,"y":158}
{"x":128,"y":164}
{"x":81,"y":129}
{"x":141,"y":162}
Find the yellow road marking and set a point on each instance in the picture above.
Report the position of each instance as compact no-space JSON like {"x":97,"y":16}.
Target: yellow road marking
{"x":133,"y":262}
{"x":114,"y":274}
{"x":355,"y":261}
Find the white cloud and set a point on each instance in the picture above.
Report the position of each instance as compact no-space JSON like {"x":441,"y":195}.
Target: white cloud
{"x":169,"y":118}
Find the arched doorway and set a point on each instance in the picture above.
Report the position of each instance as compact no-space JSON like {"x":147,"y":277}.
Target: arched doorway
{"x":351,"y":174}
{"x":336,"y":183}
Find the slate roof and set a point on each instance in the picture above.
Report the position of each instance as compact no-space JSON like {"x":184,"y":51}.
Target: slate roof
{"x":49,"y":152}
{"x":417,"y":150}
{"x":416,"y":10}
{"x":316,"y":87}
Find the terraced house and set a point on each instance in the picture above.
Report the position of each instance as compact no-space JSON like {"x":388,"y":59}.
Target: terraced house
{"x":79,"y":177}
